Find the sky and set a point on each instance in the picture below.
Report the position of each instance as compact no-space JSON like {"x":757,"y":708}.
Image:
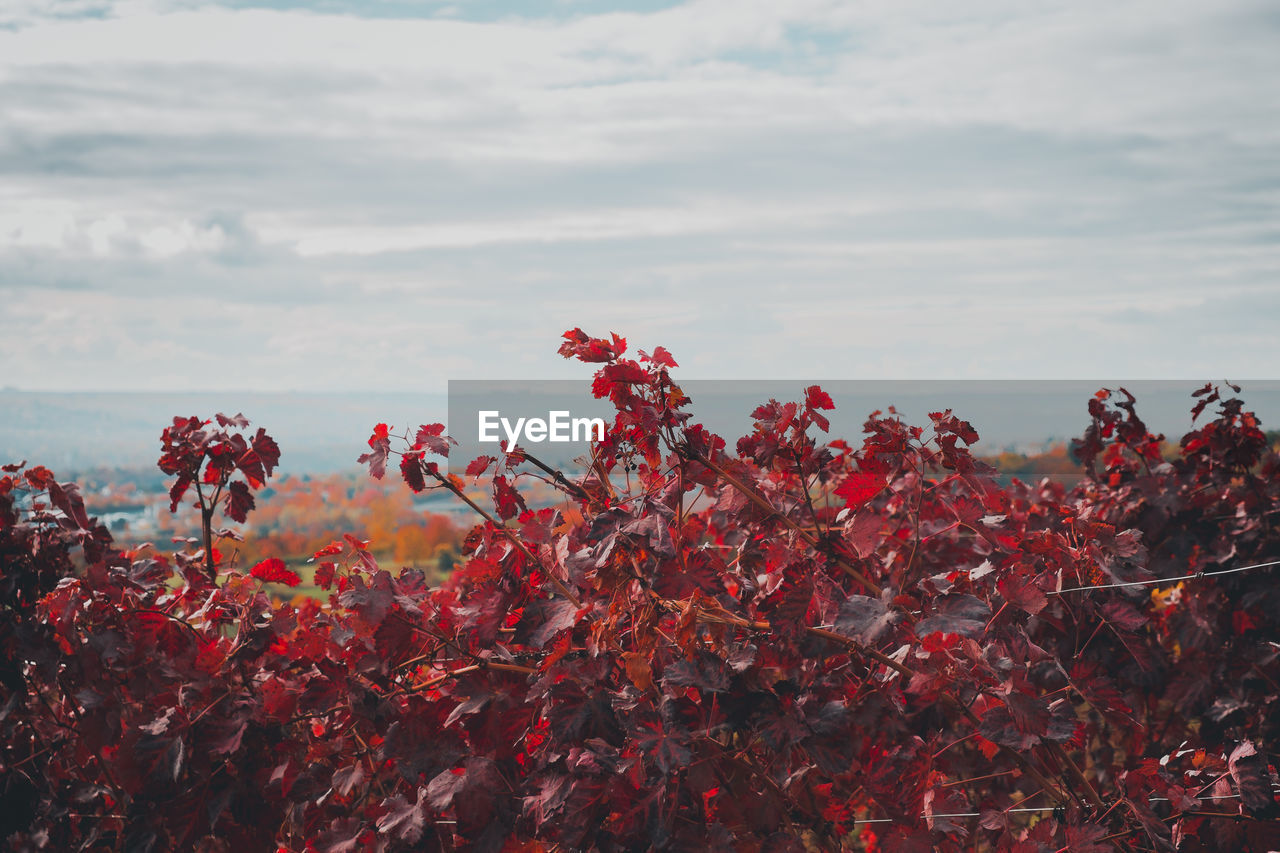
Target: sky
{"x":382,"y":195}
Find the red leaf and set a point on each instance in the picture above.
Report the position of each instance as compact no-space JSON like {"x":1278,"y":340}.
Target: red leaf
{"x":273,"y":570}
{"x":660,"y":357}
{"x":177,"y":491}
{"x":324,"y":575}
{"x":816,"y":398}
{"x":39,"y":477}
{"x":858,"y":488}
{"x":328,"y":550}
{"x":433,"y":439}
{"x":578,"y":344}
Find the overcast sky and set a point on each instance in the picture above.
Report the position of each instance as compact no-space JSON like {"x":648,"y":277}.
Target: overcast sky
{"x":385,"y":194}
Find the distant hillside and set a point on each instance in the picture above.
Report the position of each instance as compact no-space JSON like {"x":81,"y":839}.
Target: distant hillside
{"x":324,"y":433}
{"x":319,"y":433}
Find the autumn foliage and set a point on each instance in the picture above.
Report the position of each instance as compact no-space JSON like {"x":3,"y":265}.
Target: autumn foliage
{"x":303,"y":515}
{"x":789,"y":642}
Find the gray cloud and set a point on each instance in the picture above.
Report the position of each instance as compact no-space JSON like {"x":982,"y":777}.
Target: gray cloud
{"x":766,"y":189}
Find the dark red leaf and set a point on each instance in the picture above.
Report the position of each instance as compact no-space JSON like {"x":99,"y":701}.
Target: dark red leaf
{"x":239,"y":501}
{"x":1021,"y":591}
{"x":411,"y":470}
{"x":506,"y":499}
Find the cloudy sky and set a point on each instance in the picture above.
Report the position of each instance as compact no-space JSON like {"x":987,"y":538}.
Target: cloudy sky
{"x":385,"y":194}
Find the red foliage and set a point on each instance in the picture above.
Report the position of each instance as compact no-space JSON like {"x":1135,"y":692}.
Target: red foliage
{"x":701,"y":650}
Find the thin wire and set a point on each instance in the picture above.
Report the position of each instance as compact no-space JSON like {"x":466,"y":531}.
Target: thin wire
{"x":1040,"y":809}
{"x":1164,"y":580}
{"x":1144,"y":583}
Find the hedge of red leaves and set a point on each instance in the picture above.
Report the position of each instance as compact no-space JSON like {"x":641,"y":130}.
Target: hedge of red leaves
{"x":705,"y":649}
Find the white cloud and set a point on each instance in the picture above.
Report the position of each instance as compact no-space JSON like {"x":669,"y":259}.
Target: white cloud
{"x":70,"y":228}
{"x":103,"y":232}
{"x":49,"y":228}
{"x":698,"y":217}
{"x":167,"y":241}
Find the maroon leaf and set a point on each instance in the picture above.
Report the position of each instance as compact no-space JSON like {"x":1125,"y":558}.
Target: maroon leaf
{"x":1249,"y":770}
{"x":376,"y":458}
{"x":863,"y":532}
{"x":667,"y":749}
{"x":1123,"y":615}
{"x":1086,"y":838}
{"x":1021,"y":591}
{"x":403,"y":820}
{"x":239,"y":501}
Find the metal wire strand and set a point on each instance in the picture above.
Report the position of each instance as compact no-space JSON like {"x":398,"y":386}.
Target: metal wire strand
{"x":1034,"y":809}
{"x":1155,"y":581}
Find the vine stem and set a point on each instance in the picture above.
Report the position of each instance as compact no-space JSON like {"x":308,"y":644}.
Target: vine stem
{"x":1077,"y":776}
{"x":559,"y":477}
{"x":475,"y":667}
